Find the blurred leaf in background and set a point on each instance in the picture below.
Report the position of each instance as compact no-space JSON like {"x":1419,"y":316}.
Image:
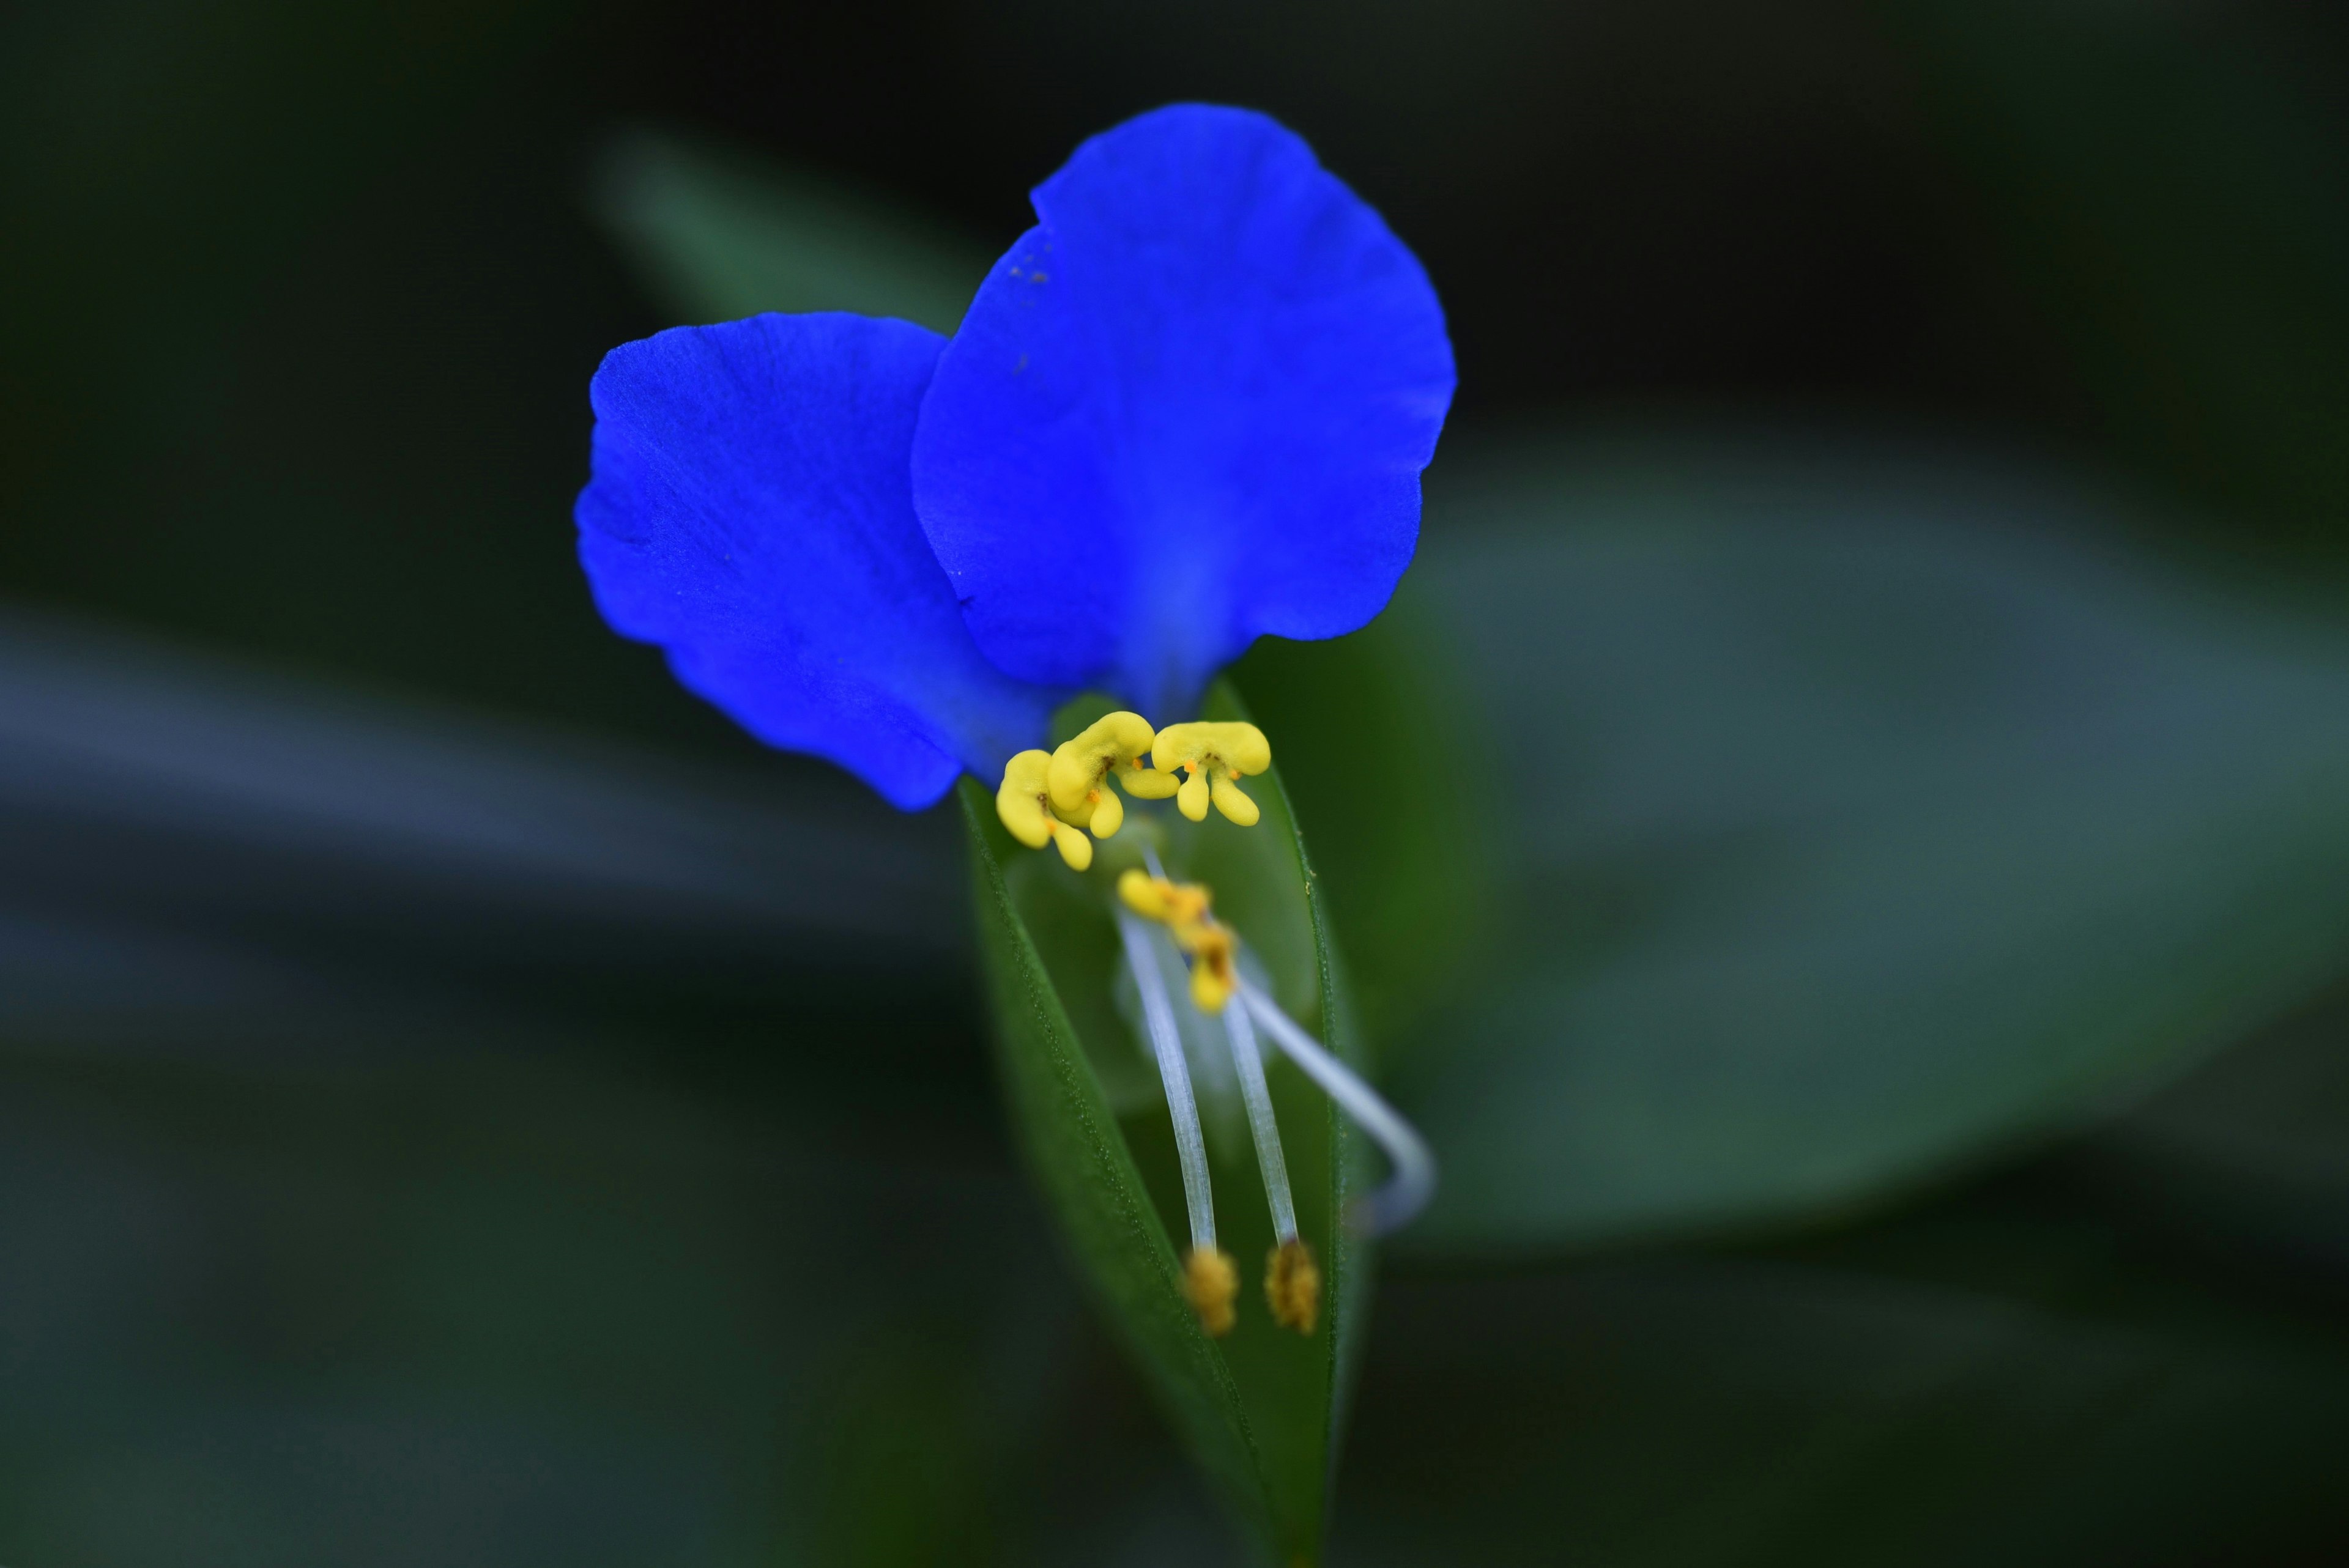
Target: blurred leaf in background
{"x":1884,"y":808}
{"x":725,"y":236}
{"x":538,"y":1310}
{"x":433,"y":1139}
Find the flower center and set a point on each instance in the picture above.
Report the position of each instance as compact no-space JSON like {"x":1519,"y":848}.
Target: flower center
{"x":1056,"y":797}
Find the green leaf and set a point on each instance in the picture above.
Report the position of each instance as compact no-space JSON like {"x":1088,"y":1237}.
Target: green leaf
{"x":1903,"y":1399}
{"x":1412,"y":889}
{"x":405,"y":867}
{"x":724,"y":234}
{"x":1258,"y":1408}
{"x":2250,"y":1152}
{"x":1862,"y":821}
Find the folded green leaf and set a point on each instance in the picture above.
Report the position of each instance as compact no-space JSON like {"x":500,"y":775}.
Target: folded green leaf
{"x":1258,"y":1408}
{"x":1856,"y":831}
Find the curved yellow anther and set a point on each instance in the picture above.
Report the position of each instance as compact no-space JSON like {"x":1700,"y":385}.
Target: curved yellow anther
{"x":1112,"y":744}
{"x":1171,"y":903}
{"x":1024,"y":802}
{"x":1214,"y":754}
{"x":1182,"y":908}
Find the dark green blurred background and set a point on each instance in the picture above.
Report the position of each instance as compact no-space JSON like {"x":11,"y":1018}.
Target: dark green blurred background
{"x":460,"y":1102}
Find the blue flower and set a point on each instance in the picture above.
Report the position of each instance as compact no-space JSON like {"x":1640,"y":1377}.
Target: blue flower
{"x":1188,"y":408}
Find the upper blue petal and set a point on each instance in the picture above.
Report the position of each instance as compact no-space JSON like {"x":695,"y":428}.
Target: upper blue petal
{"x":750,"y":512}
{"x":1191,"y":405}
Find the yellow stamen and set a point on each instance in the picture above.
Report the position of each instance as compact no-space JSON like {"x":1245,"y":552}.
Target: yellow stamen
{"x":1211,"y":1284}
{"x":1214,"y":754}
{"x":1167,"y":903}
{"x":1112,"y":746}
{"x":1024,"y":802}
{"x":1183,"y":908}
{"x":1292,"y":1286}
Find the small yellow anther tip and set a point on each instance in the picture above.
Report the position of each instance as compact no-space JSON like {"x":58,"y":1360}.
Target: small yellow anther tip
{"x":1211,"y":1284}
{"x":1140,"y":891}
{"x":1191,"y":798}
{"x":1209,"y":992}
{"x":1108,"y":815}
{"x":1234,"y":803}
{"x":1075,"y":847}
{"x":1292,"y":1286}
{"x":1212,"y":975}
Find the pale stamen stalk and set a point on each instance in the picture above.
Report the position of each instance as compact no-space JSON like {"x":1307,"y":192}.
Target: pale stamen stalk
{"x":1413,"y":1182}
{"x":1158,"y":1012}
{"x":1250,"y":1063}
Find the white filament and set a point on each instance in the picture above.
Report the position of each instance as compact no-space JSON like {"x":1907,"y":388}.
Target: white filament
{"x":1413,"y":1180}
{"x":1158,"y":1012}
{"x":1250,"y":1063}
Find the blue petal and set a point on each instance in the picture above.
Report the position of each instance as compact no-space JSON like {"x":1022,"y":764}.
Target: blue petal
{"x":1189,"y":407}
{"x":750,"y":512}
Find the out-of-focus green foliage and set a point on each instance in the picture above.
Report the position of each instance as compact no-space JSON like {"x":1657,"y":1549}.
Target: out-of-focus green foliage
{"x":1399,"y":783}
{"x":1258,"y":1407}
{"x":1993,"y":1382}
{"x":428,"y":1142}
{"x":727,"y":237}
{"x":547,"y":1310}
{"x":775,"y":1297}
{"x":2174,"y":181}
{"x":1859,"y":819}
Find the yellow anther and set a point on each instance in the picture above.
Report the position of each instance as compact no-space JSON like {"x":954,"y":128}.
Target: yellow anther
{"x":1213,"y":977}
{"x":1024,"y":801}
{"x":1182,"y":908}
{"x":1214,"y":755}
{"x":1111,"y":746}
{"x":1167,"y":903}
{"x":1211,"y":1284}
{"x":1292,"y":1286}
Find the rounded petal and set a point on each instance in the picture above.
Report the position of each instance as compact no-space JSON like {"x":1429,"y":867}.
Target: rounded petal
{"x":1190,"y":407}
{"x":750,"y":512}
